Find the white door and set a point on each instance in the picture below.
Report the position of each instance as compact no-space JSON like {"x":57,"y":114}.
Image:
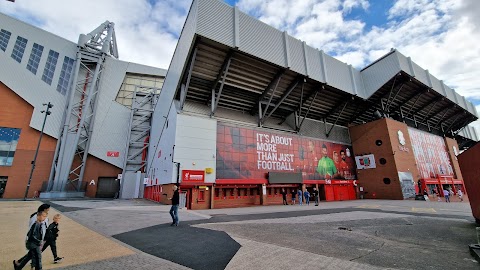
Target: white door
{"x":183,"y":200}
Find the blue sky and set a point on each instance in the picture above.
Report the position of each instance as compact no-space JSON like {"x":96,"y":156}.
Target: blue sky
{"x":440,"y":35}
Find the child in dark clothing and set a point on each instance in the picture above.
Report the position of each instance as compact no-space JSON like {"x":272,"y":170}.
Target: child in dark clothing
{"x":34,"y":241}
{"x":51,"y":238}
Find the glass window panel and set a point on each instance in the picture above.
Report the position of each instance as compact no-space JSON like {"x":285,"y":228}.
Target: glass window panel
{"x":50,"y":67}
{"x":8,"y":144}
{"x":19,"y":49}
{"x":35,"y":56}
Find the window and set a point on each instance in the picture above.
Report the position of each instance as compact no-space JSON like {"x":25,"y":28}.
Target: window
{"x":4,"y":39}
{"x":19,"y":49}
{"x":143,"y":84}
{"x":35,"y":56}
{"x":65,"y":74}
{"x":8,"y":144}
{"x":50,"y":67}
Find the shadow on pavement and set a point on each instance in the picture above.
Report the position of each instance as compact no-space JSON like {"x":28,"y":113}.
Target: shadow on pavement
{"x":196,"y":248}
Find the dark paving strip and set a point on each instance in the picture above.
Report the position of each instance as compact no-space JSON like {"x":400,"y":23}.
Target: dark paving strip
{"x":301,"y":213}
{"x":62,"y":208}
{"x":196,"y":248}
{"x":200,"y":248}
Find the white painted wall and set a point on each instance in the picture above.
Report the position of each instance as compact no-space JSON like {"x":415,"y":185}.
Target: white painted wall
{"x":196,"y":144}
{"x":163,"y":170}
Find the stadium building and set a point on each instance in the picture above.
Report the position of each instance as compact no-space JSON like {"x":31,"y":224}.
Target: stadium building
{"x":97,"y":130}
{"x":247,"y":110}
{"x":244,"y":111}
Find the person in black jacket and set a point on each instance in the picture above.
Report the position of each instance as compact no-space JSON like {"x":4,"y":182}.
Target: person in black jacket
{"x":51,"y":238}
{"x":33,"y":244}
{"x":174,"y":209}
{"x":284,"y":196}
{"x":315,"y":196}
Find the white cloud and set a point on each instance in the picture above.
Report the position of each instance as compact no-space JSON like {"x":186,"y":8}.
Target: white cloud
{"x":146,"y":33}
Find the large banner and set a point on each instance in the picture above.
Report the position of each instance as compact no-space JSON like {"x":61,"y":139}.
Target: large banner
{"x":244,"y":153}
{"x":430,"y":153}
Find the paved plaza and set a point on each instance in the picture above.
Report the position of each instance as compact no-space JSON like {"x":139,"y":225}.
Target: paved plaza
{"x":361,"y":234}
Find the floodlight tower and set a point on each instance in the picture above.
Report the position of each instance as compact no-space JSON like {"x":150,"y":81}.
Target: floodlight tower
{"x":75,"y":133}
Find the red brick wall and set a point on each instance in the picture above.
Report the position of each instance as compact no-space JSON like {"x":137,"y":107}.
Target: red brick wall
{"x":16,"y":113}
{"x":364,"y":139}
{"x":456,"y":167}
{"x":404,"y":156}
{"x":470,"y":165}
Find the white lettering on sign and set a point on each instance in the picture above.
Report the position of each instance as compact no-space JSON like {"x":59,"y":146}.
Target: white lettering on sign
{"x":268,"y":156}
{"x":196,"y":177}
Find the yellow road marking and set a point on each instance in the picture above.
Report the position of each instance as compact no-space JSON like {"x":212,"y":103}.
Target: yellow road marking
{"x":429,"y":210}
{"x":369,"y":206}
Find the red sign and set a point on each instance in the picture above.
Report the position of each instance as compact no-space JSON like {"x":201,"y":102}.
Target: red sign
{"x":113,"y":154}
{"x":191,"y":175}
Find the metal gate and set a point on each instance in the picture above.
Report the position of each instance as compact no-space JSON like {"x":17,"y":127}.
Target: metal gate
{"x":107,"y":187}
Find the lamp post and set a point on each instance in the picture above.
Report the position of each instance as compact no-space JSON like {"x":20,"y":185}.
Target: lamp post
{"x":47,"y":113}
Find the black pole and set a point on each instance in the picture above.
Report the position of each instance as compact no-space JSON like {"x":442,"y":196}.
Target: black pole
{"x":47,"y":113}
{"x":178,"y":173}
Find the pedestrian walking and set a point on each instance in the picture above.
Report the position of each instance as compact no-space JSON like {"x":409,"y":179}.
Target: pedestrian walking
{"x":306,"y":194}
{"x":300,"y":196}
{"x":294,"y":195}
{"x":315,"y":196}
{"x":284,"y":196}
{"x":174,"y":209}
{"x":33,"y":218}
{"x":447,"y":195}
{"x":460,"y":195}
{"x":51,"y":238}
{"x":425,"y":195}
{"x":34,"y":244}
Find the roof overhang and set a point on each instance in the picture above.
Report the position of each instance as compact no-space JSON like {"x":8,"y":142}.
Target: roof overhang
{"x":251,"y":67}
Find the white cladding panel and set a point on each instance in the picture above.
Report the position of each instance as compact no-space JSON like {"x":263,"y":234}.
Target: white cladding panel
{"x":437,"y":85}
{"x":315,"y":69}
{"x":29,"y":86}
{"x":338,"y":74}
{"x":460,"y":100}
{"x":379,"y":73}
{"x":450,"y":94}
{"x":215,"y":20}
{"x":420,"y":74}
{"x":297,"y":58}
{"x":261,"y":40}
{"x":358,"y":80}
{"x":404,"y":65}
{"x":111,"y":122}
{"x":196,"y":144}
{"x":162,"y":169}
{"x":148,"y":70}
{"x":471,"y":108}
{"x":172,"y":79}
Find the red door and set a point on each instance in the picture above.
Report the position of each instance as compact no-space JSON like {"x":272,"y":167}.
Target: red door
{"x":329,"y":193}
